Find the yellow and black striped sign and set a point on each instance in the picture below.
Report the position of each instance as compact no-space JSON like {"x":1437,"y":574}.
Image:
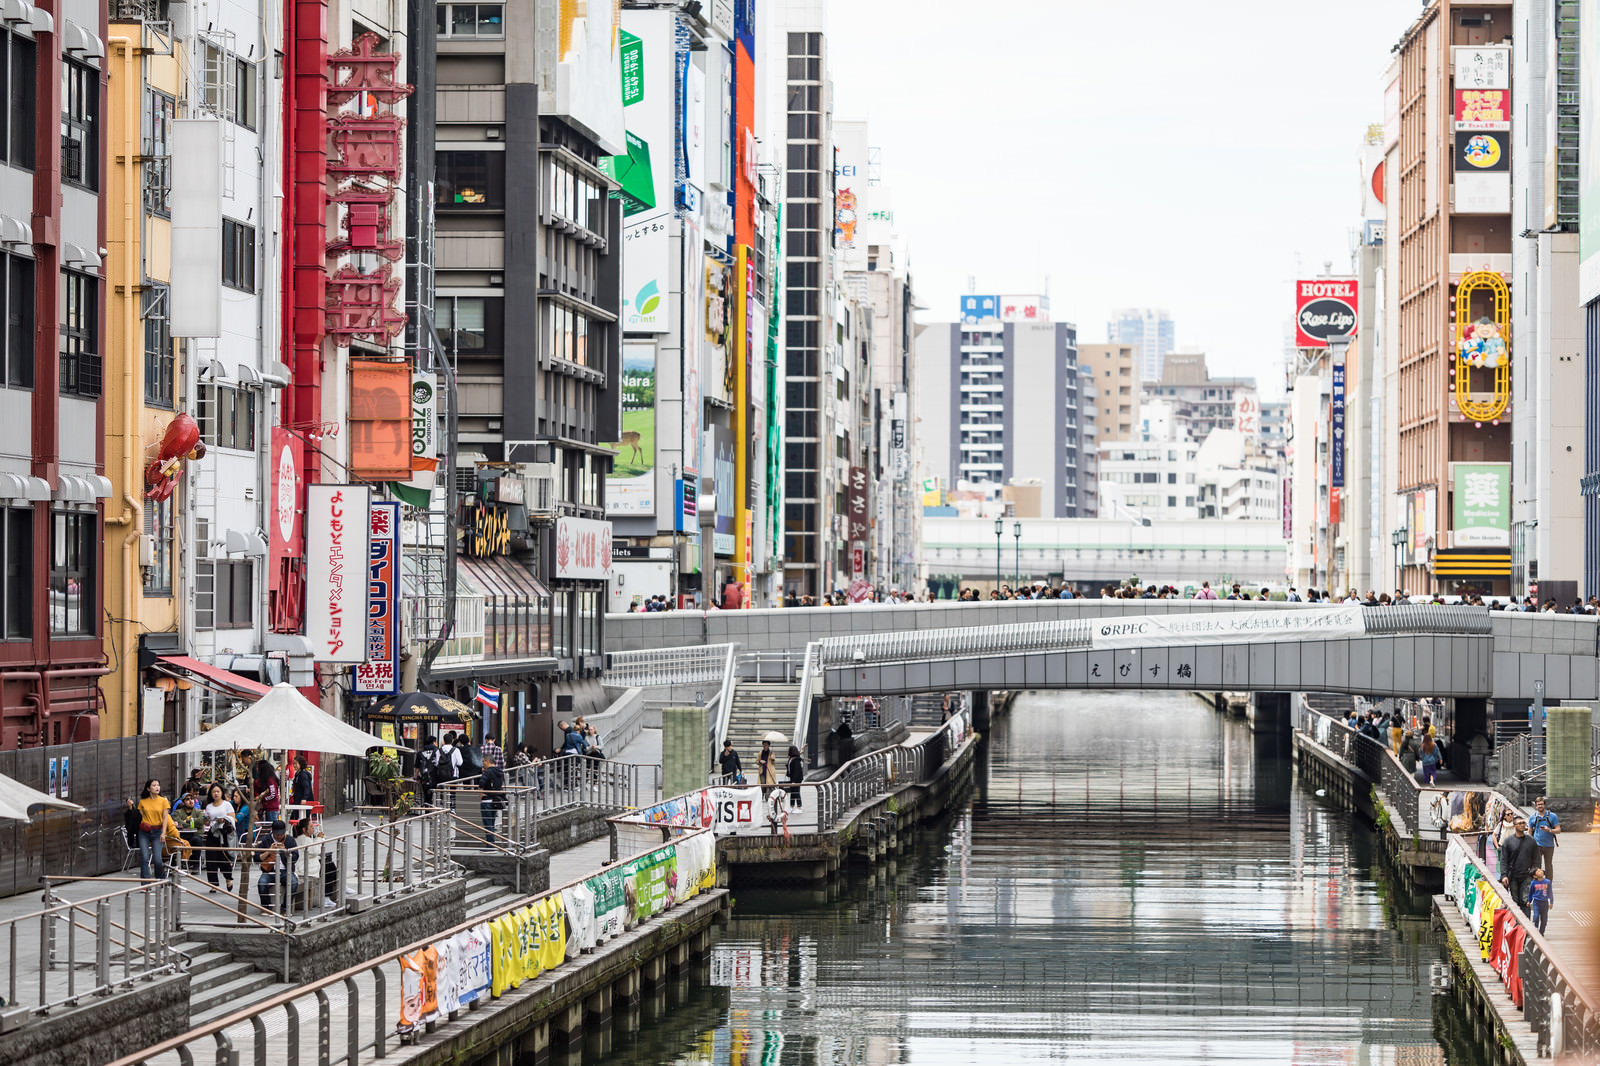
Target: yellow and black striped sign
{"x":1472,"y":562}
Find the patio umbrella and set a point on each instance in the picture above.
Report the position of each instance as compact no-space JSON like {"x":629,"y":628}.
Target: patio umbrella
{"x":422,"y":706}
{"x":16,"y":798}
{"x":776,"y":738}
{"x":281,"y":719}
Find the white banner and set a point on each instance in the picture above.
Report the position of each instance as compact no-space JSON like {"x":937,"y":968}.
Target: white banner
{"x":583,"y":548}
{"x":1227,"y":627}
{"x":336,"y":572}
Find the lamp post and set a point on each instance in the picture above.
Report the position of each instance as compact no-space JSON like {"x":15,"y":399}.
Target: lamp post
{"x":1398,"y":539}
{"x":999,"y":531}
{"x":1016,"y":531}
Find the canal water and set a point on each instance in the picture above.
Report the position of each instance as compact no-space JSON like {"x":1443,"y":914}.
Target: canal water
{"x":1135,"y":880}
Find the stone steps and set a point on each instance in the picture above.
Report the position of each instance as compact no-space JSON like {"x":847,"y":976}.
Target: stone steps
{"x":486,"y":897}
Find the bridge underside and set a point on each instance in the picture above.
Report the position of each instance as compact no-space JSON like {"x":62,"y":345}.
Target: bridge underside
{"x":1387,"y":665}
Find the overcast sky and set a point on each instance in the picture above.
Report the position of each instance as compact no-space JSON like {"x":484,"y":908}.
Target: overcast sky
{"x":1160,"y":153}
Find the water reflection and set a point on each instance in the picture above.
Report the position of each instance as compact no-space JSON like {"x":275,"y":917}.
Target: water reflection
{"x":1137,"y":881}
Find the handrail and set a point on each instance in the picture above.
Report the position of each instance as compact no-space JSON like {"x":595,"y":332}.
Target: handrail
{"x":724,"y":713}
{"x":654,"y":667}
{"x":319,"y":988}
{"x":802,"y":711}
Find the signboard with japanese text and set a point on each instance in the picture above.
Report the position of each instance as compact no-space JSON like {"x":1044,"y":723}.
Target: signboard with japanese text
{"x":1246,"y":413}
{"x":336,"y":571}
{"x":1024,"y":308}
{"x":583,"y":549}
{"x":381,"y":423}
{"x":1483,"y":109}
{"x":645,"y":171}
{"x":380,"y":674}
{"x":1483,"y":171}
{"x":1481,"y":505}
{"x":1325,"y":309}
{"x":899,"y":446}
{"x":1336,"y":425}
{"x":587,"y":81}
{"x":1485,"y":66}
{"x":860,"y":507}
{"x":284,"y":527}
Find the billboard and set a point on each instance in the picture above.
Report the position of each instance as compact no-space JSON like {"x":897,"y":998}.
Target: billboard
{"x":587,"y":70}
{"x":1024,"y":308}
{"x":631,"y":488}
{"x":1336,"y":424}
{"x":1481,"y":505}
{"x":644,"y":171}
{"x":380,"y":674}
{"x":1486,"y":66}
{"x":380,"y":420}
{"x":851,"y":194}
{"x":744,"y":125}
{"x":860,"y":510}
{"x":723,"y":477}
{"x":1246,"y":413}
{"x":979,"y":308}
{"x":1325,"y":309}
{"x":1483,"y":171}
{"x":1483,"y":109}
{"x":583,"y":549}
{"x":336,"y":562}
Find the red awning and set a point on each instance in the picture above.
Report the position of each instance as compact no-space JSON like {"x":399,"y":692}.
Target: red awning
{"x":180,"y":665}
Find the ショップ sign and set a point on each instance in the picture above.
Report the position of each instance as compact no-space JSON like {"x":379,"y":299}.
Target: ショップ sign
{"x":336,"y":572}
{"x":583,"y":549}
{"x":380,"y":674}
{"x":1325,"y":310}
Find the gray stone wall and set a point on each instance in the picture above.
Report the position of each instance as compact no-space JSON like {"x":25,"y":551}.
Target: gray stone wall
{"x":529,"y":874}
{"x":104,"y":1028}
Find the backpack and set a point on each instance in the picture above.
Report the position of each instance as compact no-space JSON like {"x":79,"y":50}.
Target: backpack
{"x":493,"y":780}
{"x":446,"y":766}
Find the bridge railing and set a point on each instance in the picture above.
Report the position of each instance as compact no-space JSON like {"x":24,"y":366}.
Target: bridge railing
{"x":1563,"y":1013}
{"x":667,"y":666}
{"x":1055,"y":635}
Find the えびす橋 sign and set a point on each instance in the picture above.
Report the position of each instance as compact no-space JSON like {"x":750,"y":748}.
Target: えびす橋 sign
{"x":1325,"y":310}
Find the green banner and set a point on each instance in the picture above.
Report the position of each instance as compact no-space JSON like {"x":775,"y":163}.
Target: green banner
{"x":1481,"y":505}
{"x":631,"y":49}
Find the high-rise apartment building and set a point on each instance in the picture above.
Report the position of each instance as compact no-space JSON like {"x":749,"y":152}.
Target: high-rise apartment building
{"x":1450,"y":233}
{"x":1005,"y":382}
{"x":1151,"y":333}
{"x":1115,"y":369}
{"x":1197,"y":402}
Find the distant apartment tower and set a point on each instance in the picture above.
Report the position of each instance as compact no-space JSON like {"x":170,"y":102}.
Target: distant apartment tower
{"x":1151,"y":333}
{"x":1115,"y":369}
{"x":1006,"y":385}
{"x":1199,"y":402}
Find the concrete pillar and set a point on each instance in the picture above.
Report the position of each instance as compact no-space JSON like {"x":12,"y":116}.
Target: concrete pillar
{"x":566,"y":1024}
{"x":653,"y":971}
{"x":1568,"y":759}
{"x":533,"y":1046}
{"x":685,"y":759}
{"x":1269,"y":712}
{"x":597,"y":1006}
{"x":1471,"y":744}
{"x":980,"y":710}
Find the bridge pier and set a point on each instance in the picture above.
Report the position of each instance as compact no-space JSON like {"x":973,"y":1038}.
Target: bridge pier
{"x":1271,"y":712}
{"x":980,"y":710}
{"x":1471,"y":745}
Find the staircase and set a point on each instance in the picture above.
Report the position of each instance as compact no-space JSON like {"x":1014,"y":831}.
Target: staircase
{"x":1332,"y":704}
{"x":759,"y":708}
{"x":218,"y":985}
{"x":486,"y":897}
{"x":927,"y":710}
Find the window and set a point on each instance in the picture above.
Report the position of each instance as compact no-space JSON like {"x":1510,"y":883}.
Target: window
{"x":470,"y":20}
{"x":227,"y":417}
{"x":468,"y":181}
{"x":158,"y":527}
{"x":16,"y":301}
{"x":158,"y":362}
{"x":16,"y":543}
{"x":73,"y":545}
{"x":223,"y":594}
{"x":80,"y":333}
{"x":238,"y":255}
{"x":228,"y":86}
{"x":17,"y":121}
{"x":567,"y":335}
{"x":471,"y":326}
{"x":80,"y":120}
{"x":244,"y":111}
{"x":157,"y":151}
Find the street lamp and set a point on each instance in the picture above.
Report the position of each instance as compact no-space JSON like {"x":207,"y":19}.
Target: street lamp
{"x":1398,"y":539}
{"x":1016,"y":531}
{"x":999,"y":531}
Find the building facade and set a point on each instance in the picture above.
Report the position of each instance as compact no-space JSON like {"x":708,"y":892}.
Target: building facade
{"x":1116,"y":369}
{"x":1150,"y":332}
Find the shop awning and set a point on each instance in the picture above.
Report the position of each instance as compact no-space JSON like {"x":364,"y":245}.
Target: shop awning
{"x":211,"y":676}
{"x":502,"y":576}
{"x":1472,"y":562}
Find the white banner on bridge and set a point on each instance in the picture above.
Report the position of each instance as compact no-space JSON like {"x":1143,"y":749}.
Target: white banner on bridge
{"x":1227,"y":627}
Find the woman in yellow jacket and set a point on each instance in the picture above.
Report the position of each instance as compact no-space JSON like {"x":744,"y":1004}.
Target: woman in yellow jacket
{"x":154,"y":817}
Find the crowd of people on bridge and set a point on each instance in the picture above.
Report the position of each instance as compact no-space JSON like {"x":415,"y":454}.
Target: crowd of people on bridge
{"x":1522,"y":850}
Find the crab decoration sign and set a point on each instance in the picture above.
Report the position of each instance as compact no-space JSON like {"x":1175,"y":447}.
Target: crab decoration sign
{"x":181,"y":441}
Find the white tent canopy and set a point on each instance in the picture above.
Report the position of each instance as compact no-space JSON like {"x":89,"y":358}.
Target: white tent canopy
{"x":16,"y":798}
{"x":282,"y":719}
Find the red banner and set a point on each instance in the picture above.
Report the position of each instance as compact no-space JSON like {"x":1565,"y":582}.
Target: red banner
{"x":1325,"y":309}
{"x":1483,"y":109}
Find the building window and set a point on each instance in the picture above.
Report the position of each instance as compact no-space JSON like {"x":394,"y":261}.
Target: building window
{"x":16,"y":543}
{"x":470,"y":326}
{"x":227,"y":417}
{"x":157,"y":151}
{"x":223,"y":594}
{"x":567,"y":334}
{"x":238,"y":255}
{"x":574,"y":196}
{"x":80,"y":333}
{"x":228,"y":86}
{"x":158,"y":362}
{"x":72,"y":553}
{"x":467,"y":181}
{"x":158,"y":527}
{"x":16,"y":120}
{"x":80,"y":125}
{"x":470,"y":20}
{"x":16,"y":300}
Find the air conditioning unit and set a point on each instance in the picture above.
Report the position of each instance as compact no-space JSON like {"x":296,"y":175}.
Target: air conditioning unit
{"x":147,"y":549}
{"x":539,"y":487}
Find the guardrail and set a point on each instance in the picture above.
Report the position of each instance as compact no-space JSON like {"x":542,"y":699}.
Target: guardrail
{"x":774,"y":666}
{"x":809,"y":668}
{"x":551,"y":786}
{"x":724,"y":698}
{"x":83,"y":948}
{"x":666,"y":666}
{"x":918,"y":644}
{"x":1563,"y":1013}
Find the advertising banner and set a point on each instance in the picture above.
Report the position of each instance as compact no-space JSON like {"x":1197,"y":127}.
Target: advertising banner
{"x":424,"y":431}
{"x":726,"y":489}
{"x":588,"y":74}
{"x":899,"y":446}
{"x":336,"y":567}
{"x":1233,"y":627}
{"x":1325,"y":309}
{"x":851,"y":194}
{"x":1483,"y":171}
{"x":1336,"y":434}
{"x":380,"y":674}
{"x":631,"y":488}
{"x":1246,"y":414}
{"x":645,"y":171}
{"x":1483,"y":150}
{"x":1485,"y":66}
{"x":1286,"y":504}
{"x":1483,"y":109}
{"x":860,"y":510}
{"x":1024,"y":309}
{"x":380,"y":420}
{"x":285,"y":528}
{"x":583,"y":549}
{"x":979,"y":308}
{"x":1481,"y":505}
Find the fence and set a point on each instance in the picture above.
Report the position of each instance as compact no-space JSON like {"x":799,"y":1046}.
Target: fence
{"x":72,"y":950}
{"x":100,"y":776}
{"x":550,"y":787}
{"x":666,"y":666}
{"x":777,"y":667}
{"x":1560,"y":1010}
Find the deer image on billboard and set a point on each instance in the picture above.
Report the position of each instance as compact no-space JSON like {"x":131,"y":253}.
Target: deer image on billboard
{"x":1325,"y":310}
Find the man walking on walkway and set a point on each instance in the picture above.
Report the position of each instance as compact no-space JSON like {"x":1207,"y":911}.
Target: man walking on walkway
{"x":1546,"y":826}
{"x":1519,"y":855}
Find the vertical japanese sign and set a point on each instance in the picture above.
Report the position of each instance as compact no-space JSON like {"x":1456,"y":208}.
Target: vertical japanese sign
{"x":899,"y":447}
{"x":583,"y":549}
{"x":380,"y":674}
{"x":336,"y":568}
{"x":1286,"y":503}
{"x":860,"y":507}
{"x":1247,"y":414}
{"x":1336,"y":424}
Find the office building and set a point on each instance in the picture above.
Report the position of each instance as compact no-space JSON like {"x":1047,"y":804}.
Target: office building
{"x":1150,"y":332}
{"x":1115,"y":369}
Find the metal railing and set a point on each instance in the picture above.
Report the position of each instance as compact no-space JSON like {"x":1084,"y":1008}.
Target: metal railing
{"x":1522,"y":758}
{"x":809,"y":668}
{"x":724,"y":697}
{"x":919,"y":644}
{"x":72,"y":950}
{"x":1563,"y":1013}
{"x":770,"y":666}
{"x":552,"y":786}
{"x":667,"y":666}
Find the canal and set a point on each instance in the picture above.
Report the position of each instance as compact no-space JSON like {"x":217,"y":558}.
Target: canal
{"x":1135,"y":880}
